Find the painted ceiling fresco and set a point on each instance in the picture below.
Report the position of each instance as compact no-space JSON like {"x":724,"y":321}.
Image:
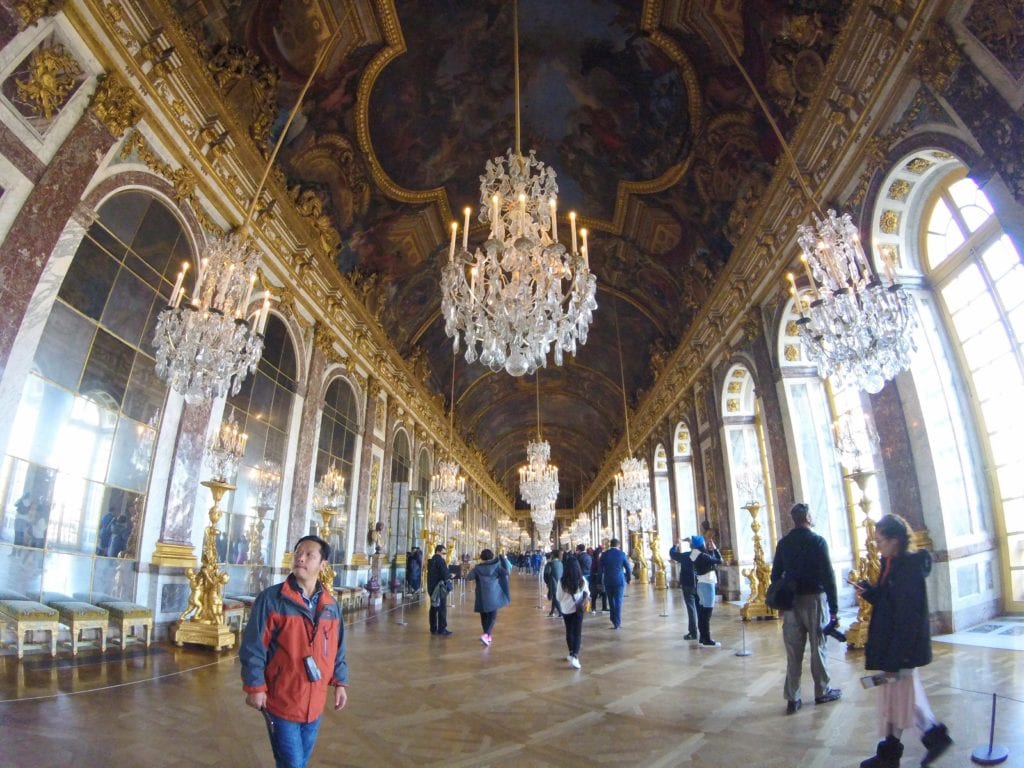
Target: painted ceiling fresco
{"x":655,"y":136}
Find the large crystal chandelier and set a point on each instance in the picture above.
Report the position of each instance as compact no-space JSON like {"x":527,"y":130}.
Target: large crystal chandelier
{"x":522,"y":292}
{"x":641,"y":520}
{"x":543,"y":517}
{"x":632,"y":484}
{"x":208,"y":345}
{"x":226,"y":450}
{"x":329,"y":492}
{"x":857,"y":329}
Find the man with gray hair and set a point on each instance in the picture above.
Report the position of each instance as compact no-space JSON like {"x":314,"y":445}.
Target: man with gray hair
{"x":802,"y":557}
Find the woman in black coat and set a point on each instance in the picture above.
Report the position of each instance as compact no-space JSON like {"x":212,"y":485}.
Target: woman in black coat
{"x":899,"y":641}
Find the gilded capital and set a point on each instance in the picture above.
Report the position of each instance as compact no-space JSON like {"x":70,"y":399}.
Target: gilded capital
{"x":373,"y":387}
{"x":114,"y":103}
{"x":31,"y":11}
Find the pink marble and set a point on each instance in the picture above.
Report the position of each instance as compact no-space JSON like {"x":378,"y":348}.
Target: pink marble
{"x":40,"y":222}
{"x":20,"y":156}
{"x":366,"y":462}
{"x":306,"y":451}
{"x":897,"y":458}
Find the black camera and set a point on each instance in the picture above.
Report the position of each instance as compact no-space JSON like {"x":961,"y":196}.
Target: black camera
{"x":832,"y":630}
{"x":312,"y":670}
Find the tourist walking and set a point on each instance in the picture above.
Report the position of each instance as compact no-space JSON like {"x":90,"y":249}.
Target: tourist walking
{"x":552,"y":575}
{"x":899,"y":642}
{"x":492,"y":591}
{"x":802,"y":557}
{"x":438,"y":587}
{"x":705,"y":559}
{"x":573,"y":596}
{"x":615,"y":573}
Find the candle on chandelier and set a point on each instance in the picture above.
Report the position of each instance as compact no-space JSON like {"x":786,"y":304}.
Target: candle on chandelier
{"x":522,"y":204}
{"x":794,"y":293}
{"x":496,"y":215}
{"x":465,"y":230}
{"x":264,"y":311}
{"x":472,"y":280}
{"x":887,"y":263}
{"x":451,"y":248}
{"x":553,"y":203}
{"x":810,"y":278}
{"x":572,"y":224}
{"x":240,"y":311}
{"x":200,"y":276}
{"x":175,"y":294}
{"x":586,"y":251}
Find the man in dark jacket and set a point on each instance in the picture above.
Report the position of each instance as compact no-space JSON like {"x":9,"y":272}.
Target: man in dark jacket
{"x":293,"y":648}
{"x":802,"y":556}
{"x":688,"y":583}
{"x":615,"y":571}
{"x":437,"y":575}
{"x":584,"y":559}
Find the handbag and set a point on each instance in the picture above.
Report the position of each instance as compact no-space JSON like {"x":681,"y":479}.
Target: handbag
{"x":583,"y":602}
{"x":781,"y":594}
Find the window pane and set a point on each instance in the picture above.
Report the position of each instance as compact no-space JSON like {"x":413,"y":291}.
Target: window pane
{"x":981,"y":349}
{"x":64,"y":345}
{"x":88,"y":281}
{"x":107,"y":370}
{"x":998,"y":379}
{"x":1011,"y":480}
{"x":975,"y":317}
{"x":973,"y":205}
{"x":128,"y":307}
{"x":1001,"y":257}
{"x":963,"y":288}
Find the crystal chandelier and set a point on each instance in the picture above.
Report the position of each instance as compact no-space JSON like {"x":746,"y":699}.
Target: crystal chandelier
{"x":632,"y":484}
{"x":855,"y":439}
{"x":522,"y":292}
{"x":329,"y":491}
{"x":543,"y":516}
{"x":207,"y":346}
{"x":856,"y":329}
{"x":267,"y":479}
{"x":447,"y":488}
{"x":227,"y":449}
{"x":538,"y":480}
{"x":750,"y":484}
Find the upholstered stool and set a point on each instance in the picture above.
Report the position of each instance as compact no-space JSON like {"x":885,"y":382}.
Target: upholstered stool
{"x":29,"y":616}
{"x":246,"y":601}
{"x":129,"y":616}
{"x":234,"y":613}
{"x":80,"y":617}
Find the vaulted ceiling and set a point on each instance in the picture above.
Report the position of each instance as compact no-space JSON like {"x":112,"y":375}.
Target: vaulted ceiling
{"x":656,"y":139}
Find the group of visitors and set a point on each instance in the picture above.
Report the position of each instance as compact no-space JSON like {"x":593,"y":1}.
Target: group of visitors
{"x":286,"y":671}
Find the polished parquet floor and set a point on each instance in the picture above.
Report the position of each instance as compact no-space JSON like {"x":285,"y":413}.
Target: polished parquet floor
{"x":645,"y":697}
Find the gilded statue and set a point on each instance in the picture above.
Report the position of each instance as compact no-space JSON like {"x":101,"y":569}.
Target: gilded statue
{"x":636,"y":554}
{"x":657,"y":561}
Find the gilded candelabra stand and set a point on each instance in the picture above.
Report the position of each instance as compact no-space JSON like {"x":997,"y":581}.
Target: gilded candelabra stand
{"x":202,"y":622}
{"x":657,"y":561}
{"x":758,"y":575}
{"x":869,"y":566}
{"x":326,"y":570}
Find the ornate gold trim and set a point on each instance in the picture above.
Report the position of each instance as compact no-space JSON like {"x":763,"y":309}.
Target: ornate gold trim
{"x":174,"y":555}
{"x":115,"y":105}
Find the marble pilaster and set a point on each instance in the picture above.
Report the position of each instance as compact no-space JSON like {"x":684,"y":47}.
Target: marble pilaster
{"x":39,"y":223}
{"x":305,"y":458}
{"x":900,"y":475}
{"x":174,"y":546}
{"x":361,"y":523}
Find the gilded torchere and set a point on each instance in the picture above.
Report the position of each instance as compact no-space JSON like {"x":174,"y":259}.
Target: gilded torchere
{"x":202,"y":622}
{"x":759,"y":575}
{"x":869,"y":567}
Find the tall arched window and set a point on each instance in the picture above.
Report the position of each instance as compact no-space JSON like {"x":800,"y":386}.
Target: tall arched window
{"x":399,"y":527}
{"x":336,"y":447}
{"x":263,"y":407}
{"x":746,"y":461}
{"x":76,"y":470}
{"x":662,"y":494}
{"x":978,"y":280}
{"x":682,"y":464}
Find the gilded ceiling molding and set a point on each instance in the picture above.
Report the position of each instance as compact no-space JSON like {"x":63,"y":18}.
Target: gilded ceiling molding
{"x":115,"y":105}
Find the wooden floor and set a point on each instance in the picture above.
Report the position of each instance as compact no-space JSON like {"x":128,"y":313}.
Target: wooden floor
{"x":645,"y":697}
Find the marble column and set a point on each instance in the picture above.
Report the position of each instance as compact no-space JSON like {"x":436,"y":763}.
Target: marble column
{"x":373,"y":390}
{"x":41,"y":220}
{"x":174,"y":546}
{"x":312,"y":409}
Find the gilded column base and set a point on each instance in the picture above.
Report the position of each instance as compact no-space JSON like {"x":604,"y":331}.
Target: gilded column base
{"x":175,"y":555}
{"x":857,"y":635}
{"x":359,"y":559}
{"x":215,"y":636}
{"x":659,"y":581}
{"x":756,"y":609}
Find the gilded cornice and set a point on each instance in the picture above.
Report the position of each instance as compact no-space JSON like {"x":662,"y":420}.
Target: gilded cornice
{"x":114,"y":103}
{"x":871,"y":49}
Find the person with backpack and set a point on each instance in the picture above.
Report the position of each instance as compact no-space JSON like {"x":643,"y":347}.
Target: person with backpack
{"x":552,"y":575}
{"x":688,"y":583}
{"x":573,"y":599}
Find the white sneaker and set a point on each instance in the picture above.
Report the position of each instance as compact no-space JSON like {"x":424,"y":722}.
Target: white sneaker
{"x":569,"y":658}
{"x":485,"y":639}
{"x":574,"y":662}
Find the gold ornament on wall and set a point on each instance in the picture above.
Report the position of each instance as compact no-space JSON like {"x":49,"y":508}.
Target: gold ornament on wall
{"x":31,"y":11}
{"x":115,"y":105}
{"x":53,"y":75}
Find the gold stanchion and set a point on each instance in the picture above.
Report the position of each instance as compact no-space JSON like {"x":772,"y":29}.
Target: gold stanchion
{"x":202,"y":621}
{"x":869,"y":566}
{"x":759,"y":575}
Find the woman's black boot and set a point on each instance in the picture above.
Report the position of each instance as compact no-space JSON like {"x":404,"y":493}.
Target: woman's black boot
{"x":887,"y":755}
{"x":936,"y":740}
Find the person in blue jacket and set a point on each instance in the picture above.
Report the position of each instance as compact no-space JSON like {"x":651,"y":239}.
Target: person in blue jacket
{"x":292,"y":650}
{"x":615,"y":573}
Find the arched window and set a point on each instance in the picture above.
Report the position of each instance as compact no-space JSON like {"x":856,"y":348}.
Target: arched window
{"x":336,"y":447}
{"x":682,"y":465}
{"x":746,"y":461}
{"x":978,"y":281}
{"x":76,"y":469}
{"x":662,"y":494}
{"x":263,"y":408}
{"x":399,"y":525}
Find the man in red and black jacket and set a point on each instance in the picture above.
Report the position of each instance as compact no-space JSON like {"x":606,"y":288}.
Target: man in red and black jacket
{"x":293,"y":648}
